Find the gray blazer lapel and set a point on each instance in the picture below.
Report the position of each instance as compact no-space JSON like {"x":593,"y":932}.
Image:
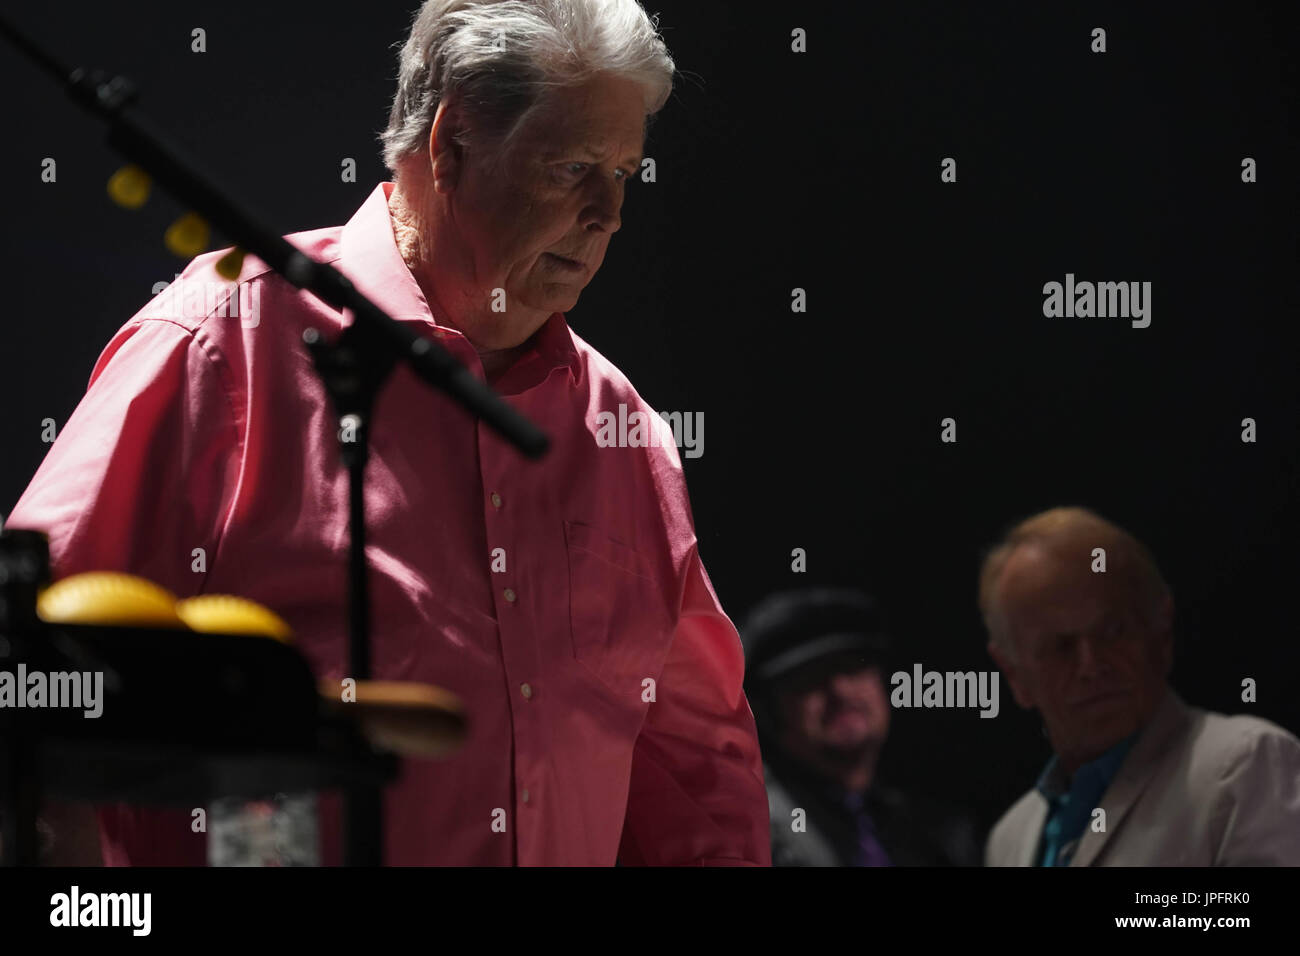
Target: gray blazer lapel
{"x":1138,"y":769}
{"x":809,"y":848}
{"x":1031,"y":833}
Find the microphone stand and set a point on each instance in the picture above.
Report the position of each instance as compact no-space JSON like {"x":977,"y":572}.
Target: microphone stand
{"x":353,"y":369}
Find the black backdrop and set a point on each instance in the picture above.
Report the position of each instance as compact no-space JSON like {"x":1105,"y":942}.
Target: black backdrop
{"x":819,"y":170}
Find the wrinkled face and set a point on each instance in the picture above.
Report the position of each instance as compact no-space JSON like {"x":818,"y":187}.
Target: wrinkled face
{"x":538,"y":223}
{"x":1085,"y":657}
{"x":833,"y":710}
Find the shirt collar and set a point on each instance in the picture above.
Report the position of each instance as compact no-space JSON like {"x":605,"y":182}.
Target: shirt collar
{"x":369,"y":257}
{"x":1093,"y":776}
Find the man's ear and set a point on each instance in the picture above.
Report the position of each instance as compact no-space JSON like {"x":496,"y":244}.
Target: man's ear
{"x":1009,"y":670}
{"x":445,"y":155}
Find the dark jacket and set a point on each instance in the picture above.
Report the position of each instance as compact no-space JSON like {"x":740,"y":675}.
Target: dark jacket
{"x":913,"y":831}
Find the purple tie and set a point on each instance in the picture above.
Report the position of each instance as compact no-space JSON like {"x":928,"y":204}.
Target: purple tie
{"x":869,"y":850}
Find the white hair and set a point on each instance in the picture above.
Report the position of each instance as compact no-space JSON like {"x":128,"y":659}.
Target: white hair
{"x":498,"y":57}
{"x":1074,"y":531}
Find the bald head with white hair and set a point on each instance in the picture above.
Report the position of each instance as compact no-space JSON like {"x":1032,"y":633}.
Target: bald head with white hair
{"x":1089,"y":649}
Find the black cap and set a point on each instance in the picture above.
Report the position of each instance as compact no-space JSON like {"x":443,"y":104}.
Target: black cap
{"x":792,"y":628}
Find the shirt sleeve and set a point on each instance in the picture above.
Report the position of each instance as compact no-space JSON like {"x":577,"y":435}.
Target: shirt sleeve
{"x":142,"y":473}
{"x":139,"y":478}
{"x":697,"y":796}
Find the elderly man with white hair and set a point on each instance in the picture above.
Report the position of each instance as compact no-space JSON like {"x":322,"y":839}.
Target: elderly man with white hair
{"x":563,"y":601}
{"x":1080,"y":621}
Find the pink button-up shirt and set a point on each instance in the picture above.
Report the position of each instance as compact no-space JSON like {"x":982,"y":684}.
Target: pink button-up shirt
{"x":205,"y":427}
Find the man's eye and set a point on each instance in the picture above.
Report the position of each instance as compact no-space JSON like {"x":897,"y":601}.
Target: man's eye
{"x":1061,"y":645}
{"x":571,"y":172}
{"x":1114,"y":630}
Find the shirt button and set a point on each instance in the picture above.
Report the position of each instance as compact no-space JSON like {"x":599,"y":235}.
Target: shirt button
{"x":496,"y":500}
{"x":510,"y":595}
{"x":525,"y":794}
{"x":526,"y":690}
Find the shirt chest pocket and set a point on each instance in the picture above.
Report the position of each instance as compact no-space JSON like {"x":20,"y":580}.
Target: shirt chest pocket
{"x":619,"y":613}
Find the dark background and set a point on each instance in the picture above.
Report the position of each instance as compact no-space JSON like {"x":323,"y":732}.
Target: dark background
{"x":821,"y":171}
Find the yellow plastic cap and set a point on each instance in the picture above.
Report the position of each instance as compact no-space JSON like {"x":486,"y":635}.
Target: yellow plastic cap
{"x":108,"y":598}
{"x":227,"y":614}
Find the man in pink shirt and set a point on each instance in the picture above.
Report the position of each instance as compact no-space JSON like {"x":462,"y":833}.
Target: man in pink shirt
{"x":563,"y":600}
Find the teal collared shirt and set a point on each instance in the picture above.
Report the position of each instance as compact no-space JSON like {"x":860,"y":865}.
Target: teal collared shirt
{"x":1070,"y":803}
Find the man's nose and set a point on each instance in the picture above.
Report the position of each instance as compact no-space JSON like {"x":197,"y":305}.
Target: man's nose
{"x":604,"y":204}
{"x":1091,"y":663}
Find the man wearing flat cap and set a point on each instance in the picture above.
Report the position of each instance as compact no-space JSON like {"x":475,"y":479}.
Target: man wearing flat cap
{"x":816,"y":661}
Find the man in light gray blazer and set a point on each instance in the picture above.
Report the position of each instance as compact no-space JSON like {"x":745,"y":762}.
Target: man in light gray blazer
{"x":1080,"y":622}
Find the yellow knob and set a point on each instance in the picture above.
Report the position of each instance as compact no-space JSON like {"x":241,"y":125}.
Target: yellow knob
{"x":187,"y":236}
{"x":129,"y":187}
{"x":231,"y":264}
{"x":110,"y":599}
{"x":227,"y":614}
